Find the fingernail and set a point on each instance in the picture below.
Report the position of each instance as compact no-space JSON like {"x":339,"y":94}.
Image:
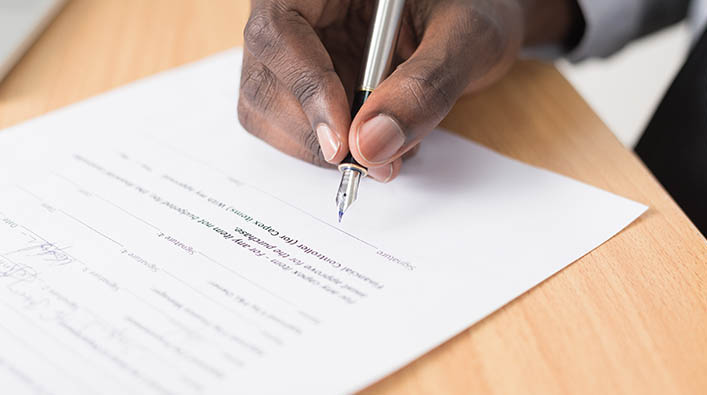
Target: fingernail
{"x":379,"y":139}
{"x":328,"y":141}
{"x":382,"y":174}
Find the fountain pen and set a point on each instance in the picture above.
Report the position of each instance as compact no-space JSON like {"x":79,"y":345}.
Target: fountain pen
{"x":378,"y":59}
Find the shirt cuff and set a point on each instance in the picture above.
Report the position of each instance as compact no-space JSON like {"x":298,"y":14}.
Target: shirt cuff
{"x":609,"y":26}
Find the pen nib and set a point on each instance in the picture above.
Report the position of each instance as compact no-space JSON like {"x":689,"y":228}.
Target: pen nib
{"x":348,"y":189}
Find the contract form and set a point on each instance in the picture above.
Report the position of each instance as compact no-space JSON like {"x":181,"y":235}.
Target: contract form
{"x":146,"y":247}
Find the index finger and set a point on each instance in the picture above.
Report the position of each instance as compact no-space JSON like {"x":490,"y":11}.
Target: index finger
{"x":281,"y":36}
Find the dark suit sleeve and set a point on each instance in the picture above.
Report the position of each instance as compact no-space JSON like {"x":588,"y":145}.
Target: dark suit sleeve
{"x":674,"y":146}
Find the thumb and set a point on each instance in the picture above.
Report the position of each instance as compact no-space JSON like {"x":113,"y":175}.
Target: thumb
{"x":458,"y":47}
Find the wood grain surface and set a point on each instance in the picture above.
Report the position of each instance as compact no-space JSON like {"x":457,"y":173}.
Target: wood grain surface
{"x":628,"y":318}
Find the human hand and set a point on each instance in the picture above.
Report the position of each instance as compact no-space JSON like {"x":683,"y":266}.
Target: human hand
{"x":302,"y":58}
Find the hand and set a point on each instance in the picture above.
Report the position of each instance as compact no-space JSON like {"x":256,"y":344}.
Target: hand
{"x":302,"y":58}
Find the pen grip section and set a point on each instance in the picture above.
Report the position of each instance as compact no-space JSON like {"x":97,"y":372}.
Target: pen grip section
{"x":359,"y":98}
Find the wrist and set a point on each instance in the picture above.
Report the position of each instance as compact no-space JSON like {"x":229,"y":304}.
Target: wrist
{"x":552,"y":22}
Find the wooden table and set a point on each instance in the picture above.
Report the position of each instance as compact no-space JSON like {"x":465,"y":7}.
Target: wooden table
{"x":630,"y":317}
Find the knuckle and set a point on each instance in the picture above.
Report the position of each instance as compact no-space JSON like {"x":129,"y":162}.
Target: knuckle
{"x":258,"y":86}
{"x":261,"y":33}
{"x":432,"y":95}
{"x":306,"y":86}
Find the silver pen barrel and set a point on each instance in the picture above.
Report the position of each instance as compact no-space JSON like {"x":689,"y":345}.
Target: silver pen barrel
{"x":378,"y":60}
{"x":382,"y":39}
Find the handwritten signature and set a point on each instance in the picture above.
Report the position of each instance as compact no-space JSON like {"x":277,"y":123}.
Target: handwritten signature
{"x":16,"y":271}
{"x":48,"y":251}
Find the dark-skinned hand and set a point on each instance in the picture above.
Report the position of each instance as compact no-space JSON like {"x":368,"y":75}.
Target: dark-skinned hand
{"x":302,"y":59}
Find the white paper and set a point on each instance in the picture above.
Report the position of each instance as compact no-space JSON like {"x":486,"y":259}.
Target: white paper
{"x":123,"y":267}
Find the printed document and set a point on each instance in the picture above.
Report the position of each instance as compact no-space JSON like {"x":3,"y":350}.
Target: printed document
{"x":149,"y":244}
